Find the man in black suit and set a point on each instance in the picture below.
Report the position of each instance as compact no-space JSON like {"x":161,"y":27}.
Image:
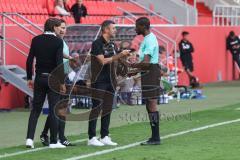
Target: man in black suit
{"x":47,"y":48}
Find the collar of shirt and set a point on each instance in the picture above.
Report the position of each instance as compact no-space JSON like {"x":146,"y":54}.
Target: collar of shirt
{"x":106,"y":43}
{"x":148,"y":35}
{"x":50,"y":33}
{"x":103,"y":40}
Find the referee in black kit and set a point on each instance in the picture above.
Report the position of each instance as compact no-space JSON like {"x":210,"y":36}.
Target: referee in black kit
{"x":47,"y":48}
{"x":150,"y":76}
{"x":103,"y":54}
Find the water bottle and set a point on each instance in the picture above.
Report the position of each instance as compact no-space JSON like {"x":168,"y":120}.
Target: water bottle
{"x":139,"y":100}
{"x":178,"y":96}
{"x":165,"y":99}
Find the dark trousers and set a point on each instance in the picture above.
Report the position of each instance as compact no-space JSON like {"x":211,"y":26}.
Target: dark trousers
{"x":61,"y":128}
{"x":236,"y":58}
{"x":126,"y":97}
{"x":77,"y":19}
{"x":61,"y":122}
{"x":187,"y":61}
{"x":41,"y":90}
{"x":102,"y":100}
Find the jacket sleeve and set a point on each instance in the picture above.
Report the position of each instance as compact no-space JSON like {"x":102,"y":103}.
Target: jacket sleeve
{"x":84,"y":11}
{"x":29,"y":62}
{"x":59,"y":61}
{"x":180,"y":48}
{"x":192,"y":48}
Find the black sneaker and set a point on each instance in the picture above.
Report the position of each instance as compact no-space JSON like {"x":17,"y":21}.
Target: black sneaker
{"x":67,"y":143}
{"x":45,"y":140}
{"x":151,"y":141}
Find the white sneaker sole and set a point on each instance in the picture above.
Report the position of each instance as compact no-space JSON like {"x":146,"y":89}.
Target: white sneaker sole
{"x":110,"y":144}
{"x":56,"y":147}
{"x":89,"y":144}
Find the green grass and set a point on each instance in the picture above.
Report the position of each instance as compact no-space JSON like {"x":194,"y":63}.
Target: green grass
{"x":222,"y":104}
{"x":221,"y":143}
{"x":14,"y":124}
{"x":192,"y":144}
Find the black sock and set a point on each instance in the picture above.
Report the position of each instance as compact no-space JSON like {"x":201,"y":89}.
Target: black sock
{"x":154,"y":123}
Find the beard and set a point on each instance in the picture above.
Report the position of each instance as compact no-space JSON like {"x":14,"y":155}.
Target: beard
{"x":138,"y":32}
{"x":113,"y":35}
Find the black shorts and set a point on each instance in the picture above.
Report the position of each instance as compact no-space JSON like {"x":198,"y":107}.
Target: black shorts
{"x":150,"y":82}
{"x":187,"y":62}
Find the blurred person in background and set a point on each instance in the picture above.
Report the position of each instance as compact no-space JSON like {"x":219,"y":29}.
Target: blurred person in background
{"x":60,"y":8}
{"x":233,"y":45}
{"x":78,"y":11}
{"x":66,"y":5}
{"x":186,"y":50}
{"x":126,"y":85}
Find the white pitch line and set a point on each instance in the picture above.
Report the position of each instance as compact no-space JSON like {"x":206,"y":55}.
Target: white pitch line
{"x":164,"y":137}
{"x":33,"y":150}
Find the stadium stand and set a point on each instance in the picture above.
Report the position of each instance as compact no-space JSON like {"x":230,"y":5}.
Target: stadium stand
{"x":37,"y":11}
{"x":16,"y":15}
{"x":204,"y":13}
{"x":19,"y":35}
{"x":203,"y":10}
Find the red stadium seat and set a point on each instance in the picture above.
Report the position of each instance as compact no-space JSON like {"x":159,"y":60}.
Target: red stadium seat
{"x":97,"y":10}
{"x":50,"y":6}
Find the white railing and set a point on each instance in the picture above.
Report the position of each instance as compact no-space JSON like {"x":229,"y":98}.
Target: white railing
{"x":224,"y":15}
{"x":211,"y":3}
{"x":6,"y":41}
{"x":176,"y":10}
{"x":152,"y":12}
{"x":191,"y":11}
{"x":236,"y":1}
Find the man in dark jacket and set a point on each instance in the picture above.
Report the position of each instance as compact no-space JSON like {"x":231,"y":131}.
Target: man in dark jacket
{"x":47,"y":49}
{"x":233,"y":45}
{"x":78,"y":10}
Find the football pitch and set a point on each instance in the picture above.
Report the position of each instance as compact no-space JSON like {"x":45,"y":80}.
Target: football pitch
{"x":190,"y":130}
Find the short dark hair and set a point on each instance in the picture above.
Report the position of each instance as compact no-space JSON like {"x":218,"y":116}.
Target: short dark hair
{"x":143,"y":21}
{"x":106,"y":24}
{"x":62,"y":21}
{"x":50,"y":24}
{"x":185,"y":33}
{"x":162,"y":49}
{"x":232,"y":33}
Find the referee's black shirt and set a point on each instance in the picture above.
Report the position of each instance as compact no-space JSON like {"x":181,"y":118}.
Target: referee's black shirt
{"x":48,"y":51}
{"x":102,"y":73}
